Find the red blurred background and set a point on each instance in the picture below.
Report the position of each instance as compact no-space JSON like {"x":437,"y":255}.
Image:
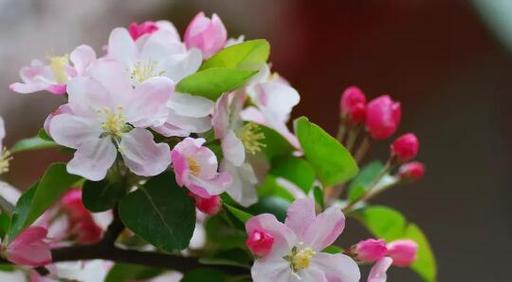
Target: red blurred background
{"x":438,"y":58}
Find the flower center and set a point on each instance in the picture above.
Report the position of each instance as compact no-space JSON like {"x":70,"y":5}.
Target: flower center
{"x":144,"y":70}
{"x":193,"y":166}
{"x":114,"y":122}
{"x":300,"y":258}
{"x":251,"y":137}
{"x":58,"y":66}
{"x":5,"y":158}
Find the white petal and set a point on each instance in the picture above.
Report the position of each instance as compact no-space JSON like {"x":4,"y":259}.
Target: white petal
{"x":233,"y":148}
{"x":113,"y":76}
{"x":87,"y":96}
{"x":2,"y":132}
{"x":142,"y":155}
{"x":72,"y":131}
{"x":190,"y":105}
{"x":243,"y":185}
{"x":82,"y":57}
{"x":275,"y":270}
{"x":300,"y":215}
{"x":93,"y":159}
{"x":325,"y":229}
{"x":181,"y":65}
{"x":121,"y":46}
{"x":337,"y":267}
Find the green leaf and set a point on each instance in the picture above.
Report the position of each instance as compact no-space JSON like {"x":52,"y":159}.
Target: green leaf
{"x":41,"y":196}
{"x":160,"y":212}
{"x":204,"y":274}
{"x":270,"y":187}
{"x":31,"y":144}
{"x":389,"y":224}
{"x":211,"y":83}
{"x":274,"y":205}
{"x":124,"y":272}
{"x":239,"y":214}
{"x":102,"y":195}
{"x":319,"y":197}
{"x":365,"y":177}
{"x":43,"y":135}
{"x":425,"y":264}
{"x":222,"y":233}
{"x":296,"y":170}
{"x":332,"y":162}
{"x":275,"y":144}
{"x":5,"y":223}
{"x":248,"y":55}
{"x":332,"y":250}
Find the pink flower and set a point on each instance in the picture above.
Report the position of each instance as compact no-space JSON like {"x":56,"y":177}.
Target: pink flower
{"x":405,"y":147}
{"x":378,"y":271}
{"x":353,"y":104}
{"x":29,"y":248}
{"x":137,"y":30}
{"x":403,"y":252}
{"x":412,"y":171}
{"x":210,"y":205}
{"x":297,"y":244}
{"x":207,"y":35}
{"x":260,"y":243}
{"x":382,"y":117}
{"x":54,"y":76}
{"x":370,"y":250}
{"x":109,"y":116}
{"x":81,"y":223}
{"x":195,"y":167}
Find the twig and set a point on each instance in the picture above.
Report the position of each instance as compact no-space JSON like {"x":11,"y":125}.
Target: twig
{"x":363,"y":149}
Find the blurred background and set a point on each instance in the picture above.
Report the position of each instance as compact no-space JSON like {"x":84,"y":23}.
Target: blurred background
{"x":448,"y":62}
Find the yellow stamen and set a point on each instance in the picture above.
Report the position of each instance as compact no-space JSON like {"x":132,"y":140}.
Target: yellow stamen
{"x":58,"y":66}
{"x":114,"y":122}
{"x":144,"y":70}
{"x":193,"y":166}
{"x":251,"y":137}
{"x":302,"y":258}
{"x":5,"y":158}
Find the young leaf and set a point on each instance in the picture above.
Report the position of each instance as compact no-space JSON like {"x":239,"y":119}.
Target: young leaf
{"x":239,"y":214}
{"x":222,"y":234}
{"x":248,"y":55}
{"x":33,"y":143}
{"x":332,"y":162}
{"x":42,"y":195}
{"x":270,"y":187}
{"x":102,"y":195}
{"x":275,"y":144}
{"x":274,"y":205}
{"x":211,"y":83}
{"x":319,"y":197}
{"x":389,"y":224}
{"x":161,"y":213}
{"x":124,"y":272}
{"x":365,"y":177}
{"x":5,"y":222}
{"x":296,"y":170}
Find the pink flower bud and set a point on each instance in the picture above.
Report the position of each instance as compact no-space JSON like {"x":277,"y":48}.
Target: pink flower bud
{"x":29,"y":248}
{"x":86,"y":232}
{"x":72,"y":204}
{"x":207,"y":35}
{"x":370,"y":250}
{"x":260,"y":242}
{"x":353,"y":104}
{"x":412,"y":171}
{"x":210,"y":205}
{"x":403,"y":252}
{"x":405,"y":147}
{"x":137,"y":30}
{"x":382,"y":117}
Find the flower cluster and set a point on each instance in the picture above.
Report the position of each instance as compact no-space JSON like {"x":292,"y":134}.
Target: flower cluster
{"x":175,"y":139}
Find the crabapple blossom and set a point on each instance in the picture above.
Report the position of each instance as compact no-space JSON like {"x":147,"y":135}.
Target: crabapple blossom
{"x":81,"y":222}
{"x":54,"y":76}
{"x":379,"y":269}
{"x":136,"y":30}
{"x":29,"y":247}
{"x":405,"y":147}
{"x":370,"y":250}
{"x":209,"y":205}
{"x":412,"y":171}
{"x":207,"y":35}
{"x":296,"y":253}
{"x":353,"y":104}
{"x":382,"y":117}
{"x":403,"y":252}
{"x":107,"y":115}
{"x":160,"y":54}
{"x":195,"y":167}
{"x":259,"y":242}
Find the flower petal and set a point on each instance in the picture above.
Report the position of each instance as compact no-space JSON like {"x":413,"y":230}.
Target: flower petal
{"x":87,"y":96}
{"x":242,"y":188}
{"x":233,"y":148}
{"x":142,"y":155}
{"x":29,"y":248}
{"x":178,"y":66}
{"x":82,"y":57}
{"x":378,"y":271}
{"x":325,"y":229}
{"x":190,"y":105}
{"x":147,"y":105}
{"x":211,"y":187}
{"x":121,"y":46}
{"x":93,"y":159}
{"x":337,"y":267}
{"x":275,"y":269}
{"x":71,"y":131}
{"x":284,"y":238}
{"x":113,"y":76}
{"x":301,"y":214}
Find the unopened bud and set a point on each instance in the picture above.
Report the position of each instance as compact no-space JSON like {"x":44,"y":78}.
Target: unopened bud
{"x":210,"y":205}
{"x":403,"y":252}
{"x":412,"y":171}
{"x":370,"y":250}
{"x":136,"y":30}
{"x":382,"y":117}
{"x":260,"y":242}
{"x":205,"y":34}
{"x":405,"y":147}
{"x":353,"y":105}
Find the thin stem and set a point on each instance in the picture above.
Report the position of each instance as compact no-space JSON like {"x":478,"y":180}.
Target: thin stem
{"x":352,"y":137}
{"x":342,"y":130}
{"x":114,"y":229}
{"x":363,"y":149}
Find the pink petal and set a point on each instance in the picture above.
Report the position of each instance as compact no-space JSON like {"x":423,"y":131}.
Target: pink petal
{"x":179,"y":163}
{"x":113,"y":76}
{"x":220,"y":117}
{"x":243,"y":185}
{"x":87,"y":96}
{"x":233,"y":148}
{"x":82,"y":57}
{"x":179,"y":66}
{"x":325,"y":229}
{"x":337,"y":267}
{"x":378,"y":271}
{"x":284,"y":238}
{"x":142,"y":155}
{"x":121,"y":46}
{"x":190,"y":105}
{"x":301,"y":214}
{"x":29,"y":248}
{"x":93,"y":159}
{"x":71,"y":131}
{"x":272,"y":269}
